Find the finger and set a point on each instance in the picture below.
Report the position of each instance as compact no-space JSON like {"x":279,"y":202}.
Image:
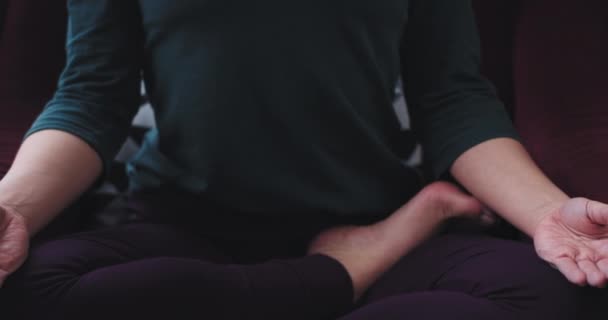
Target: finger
{"x":597,"y":212}
{"x":487,"y":217}
{"x":487,"y":220}
{"x":570,"y":269}
{"x":603,"y":266}
{"x":3,"y":275}
{"x":595,"y":277}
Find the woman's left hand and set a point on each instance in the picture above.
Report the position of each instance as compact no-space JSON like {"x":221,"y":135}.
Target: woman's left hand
{"x":574,"y":238}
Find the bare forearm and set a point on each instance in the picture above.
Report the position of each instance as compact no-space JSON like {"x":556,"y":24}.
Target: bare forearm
{"x":51,"y":170}
{"x":501,"y":174}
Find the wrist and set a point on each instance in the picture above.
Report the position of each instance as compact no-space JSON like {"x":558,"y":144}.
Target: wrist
{"x":14,"y":213}
{"x":545,"y":211}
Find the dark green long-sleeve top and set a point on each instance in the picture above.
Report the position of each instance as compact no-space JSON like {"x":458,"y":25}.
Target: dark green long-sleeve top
{"x":277,"y":106}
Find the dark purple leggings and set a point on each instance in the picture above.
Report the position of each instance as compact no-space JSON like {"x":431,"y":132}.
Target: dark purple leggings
{"x":255,"y":269}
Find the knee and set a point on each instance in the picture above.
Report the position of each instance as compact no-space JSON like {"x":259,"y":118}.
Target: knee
{"x":49,"y":272}
{"x":514,"y":276}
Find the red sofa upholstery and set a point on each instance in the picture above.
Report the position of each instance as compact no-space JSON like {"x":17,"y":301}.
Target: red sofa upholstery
{"x":32,"y":38}
{"x":549,"y":59}
{"x":561,"y":87}
{"x":497,"y":21}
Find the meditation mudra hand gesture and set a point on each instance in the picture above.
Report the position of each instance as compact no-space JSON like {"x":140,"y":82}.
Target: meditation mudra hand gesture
{"x":574,"y":238}
{"x":14,"y":240}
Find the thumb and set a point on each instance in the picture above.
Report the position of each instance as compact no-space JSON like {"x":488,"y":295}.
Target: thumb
{"x":597,"y":212}
{"x":488,"y":218}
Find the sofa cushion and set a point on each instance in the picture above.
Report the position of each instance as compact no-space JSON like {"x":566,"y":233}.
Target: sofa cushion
{"x":496,"y":20}
{"x":561,"y":97}
{"x":31,"y":57}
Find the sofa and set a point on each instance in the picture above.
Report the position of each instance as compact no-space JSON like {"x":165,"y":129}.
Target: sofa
{"x":32,"y":34}
{"x":549,"y":61}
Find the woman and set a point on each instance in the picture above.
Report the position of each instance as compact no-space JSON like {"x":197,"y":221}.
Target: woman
{"x":271,"y":188}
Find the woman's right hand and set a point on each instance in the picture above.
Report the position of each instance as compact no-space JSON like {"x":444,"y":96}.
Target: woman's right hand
{"x":14,"y":242}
